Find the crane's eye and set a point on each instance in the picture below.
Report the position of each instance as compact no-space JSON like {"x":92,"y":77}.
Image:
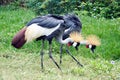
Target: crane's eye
{"x":69,"y":44}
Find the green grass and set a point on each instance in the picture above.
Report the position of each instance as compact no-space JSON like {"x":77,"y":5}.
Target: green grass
{"x":24,"y":63}
{"x":22,"y":66}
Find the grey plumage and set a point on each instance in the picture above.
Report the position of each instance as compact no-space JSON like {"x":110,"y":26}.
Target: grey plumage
{"x":48,"y":21}
{"x":48,"y":27}
{"x":73,"y":23}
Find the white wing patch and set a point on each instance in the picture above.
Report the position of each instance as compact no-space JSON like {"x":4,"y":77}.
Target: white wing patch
{"x":34,"y":31}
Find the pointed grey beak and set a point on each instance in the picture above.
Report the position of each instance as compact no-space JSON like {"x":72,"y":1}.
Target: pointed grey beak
{"x":93,"y":48}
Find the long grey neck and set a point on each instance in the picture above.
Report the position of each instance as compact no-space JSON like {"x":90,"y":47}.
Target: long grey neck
{"x":65,"y":41}
{"x":84,"y":42}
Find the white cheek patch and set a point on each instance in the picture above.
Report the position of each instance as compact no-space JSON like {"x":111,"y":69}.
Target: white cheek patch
{"x":90,"y":46}
{"x":74,"y":44}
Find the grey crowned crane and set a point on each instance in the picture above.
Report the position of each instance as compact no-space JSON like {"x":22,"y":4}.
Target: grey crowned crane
{"x":45,"y":28}
{"x":75,"y":25}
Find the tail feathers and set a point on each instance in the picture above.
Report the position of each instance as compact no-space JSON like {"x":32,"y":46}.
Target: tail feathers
{"x":19,"y":39}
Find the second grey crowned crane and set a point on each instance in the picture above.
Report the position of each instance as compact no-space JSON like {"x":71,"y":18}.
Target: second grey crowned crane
{"x":74,"y":25}
{"x":46,"y":28}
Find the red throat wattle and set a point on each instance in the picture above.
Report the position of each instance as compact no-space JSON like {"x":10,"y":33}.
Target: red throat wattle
{"x":69,"y":44}
{"x":87,"y":46}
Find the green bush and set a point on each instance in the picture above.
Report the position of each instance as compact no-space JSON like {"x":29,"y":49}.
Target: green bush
{"x":54,"y":6}
{"x":103,"y":8}
{"x":95,"y":8}
{"x":3,"y":2}
{"x":98,"y":8}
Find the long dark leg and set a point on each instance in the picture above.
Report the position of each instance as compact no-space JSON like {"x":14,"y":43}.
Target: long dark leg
{"x":61,"y":49}
{"x":50,"y":55}
{"x":42,"y":53}
{"x":73,"y":57}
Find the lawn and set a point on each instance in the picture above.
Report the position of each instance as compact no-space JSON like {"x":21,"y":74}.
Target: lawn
{"x":24,"y":63}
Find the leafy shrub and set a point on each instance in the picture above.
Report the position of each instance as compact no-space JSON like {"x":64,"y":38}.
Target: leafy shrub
{"x":95,"y":8}
{"x":54,"y":6}
{"x":103,"y":8}
{"x":3,"y":2}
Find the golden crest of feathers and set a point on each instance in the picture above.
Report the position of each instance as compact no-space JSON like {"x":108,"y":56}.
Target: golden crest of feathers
{"x":91,"y":39}
{"x":94,"y":40}
{"x":77,"y":37}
